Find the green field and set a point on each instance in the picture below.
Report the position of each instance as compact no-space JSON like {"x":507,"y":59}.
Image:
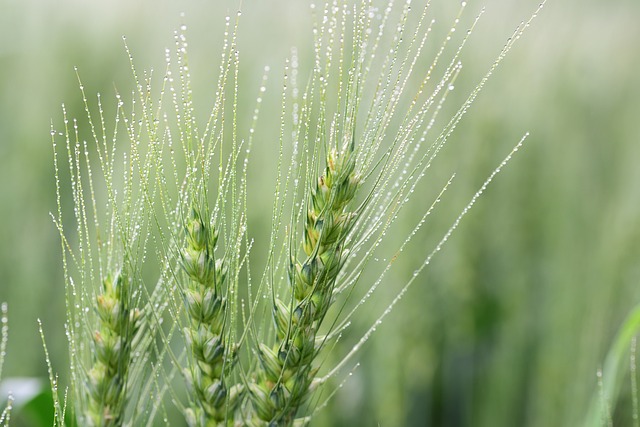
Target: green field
{"x":513,"y":318}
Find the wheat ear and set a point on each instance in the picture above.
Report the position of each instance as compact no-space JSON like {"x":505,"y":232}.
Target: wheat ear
{"x":205,"y":305}
{"x":112,"y":343}
{"x":285,"y":379}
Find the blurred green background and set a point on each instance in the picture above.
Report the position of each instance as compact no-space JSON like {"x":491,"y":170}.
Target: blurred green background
{"x":512,"y":320}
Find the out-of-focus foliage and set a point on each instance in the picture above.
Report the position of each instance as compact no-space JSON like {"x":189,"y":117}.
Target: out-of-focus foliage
{"x":512,"y":320}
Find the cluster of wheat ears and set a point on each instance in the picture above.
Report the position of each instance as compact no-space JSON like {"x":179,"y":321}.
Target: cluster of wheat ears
{"x":164,"y":307}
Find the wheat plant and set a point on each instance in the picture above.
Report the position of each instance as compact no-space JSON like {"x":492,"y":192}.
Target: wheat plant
{"x":167,"y":306}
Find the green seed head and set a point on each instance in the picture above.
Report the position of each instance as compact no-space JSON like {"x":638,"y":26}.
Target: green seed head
{"x":212,"y":350}
{"x":262,"y":404}
{"x":112,"y":282}
{"x":197,"y":232}
{"x":215,"y":394}
{"x":109,"y":312}
{"x":270,"y":362}
{"x":281,"y":318}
